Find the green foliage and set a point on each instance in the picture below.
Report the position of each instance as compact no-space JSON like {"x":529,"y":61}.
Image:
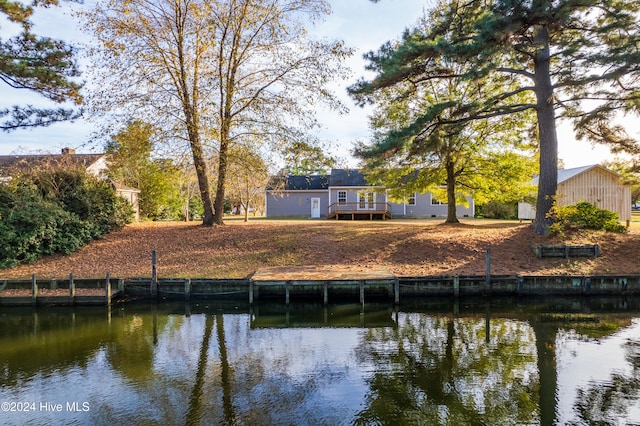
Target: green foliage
{"x":131,"y":164}
{"x":423,"y":137}
{"x":40,"y":64}
{"x":304,"y":159}
{"x":55,"y":212}
{"x":583,"y":215}
{"x":496,"y":210}
{"x":563,"y":58}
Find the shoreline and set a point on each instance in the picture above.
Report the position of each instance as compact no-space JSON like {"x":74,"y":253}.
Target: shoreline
{"x":321,"y":284}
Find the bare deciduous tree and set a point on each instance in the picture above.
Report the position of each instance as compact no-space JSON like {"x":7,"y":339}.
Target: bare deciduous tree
{"x":217,"y":72}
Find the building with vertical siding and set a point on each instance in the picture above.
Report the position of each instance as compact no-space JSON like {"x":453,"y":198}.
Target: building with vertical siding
{"x":594,"y":184}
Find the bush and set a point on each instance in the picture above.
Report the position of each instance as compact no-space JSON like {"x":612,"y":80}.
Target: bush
{"x":495,"y":210}
{"x":583,"y":215}
{"x":56,"y":212}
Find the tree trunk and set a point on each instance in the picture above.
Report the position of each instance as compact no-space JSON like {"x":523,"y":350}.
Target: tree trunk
{"x":218,"y":205}
{"x":547,"y":371}
{"x":451,"y":193}
{"x":203,"y":180}
{"x":226,"y":374}
{"x":194,"y":411}
{"x":548,"y":178}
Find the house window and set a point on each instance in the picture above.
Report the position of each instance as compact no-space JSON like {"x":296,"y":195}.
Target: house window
{"x":342,"y":197}
{"x":411,"y":200}
{"x":435,"y":201}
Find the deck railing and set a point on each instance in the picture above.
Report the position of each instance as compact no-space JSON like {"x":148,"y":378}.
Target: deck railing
{"x":354,"y":208}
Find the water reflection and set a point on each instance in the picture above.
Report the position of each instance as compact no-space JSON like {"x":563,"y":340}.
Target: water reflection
{"x":566,"y":361}
{"x":445,"y":370}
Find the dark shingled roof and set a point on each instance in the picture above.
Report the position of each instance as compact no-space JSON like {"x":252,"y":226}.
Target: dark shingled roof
{"x":347,"y":177}
{"x":338,"y":177}
{"x":299,"y":183}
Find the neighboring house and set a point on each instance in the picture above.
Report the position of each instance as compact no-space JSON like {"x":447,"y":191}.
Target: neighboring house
{"x":95,"y":164}
{"x":594,"y":184}
{"x":345,"y":194}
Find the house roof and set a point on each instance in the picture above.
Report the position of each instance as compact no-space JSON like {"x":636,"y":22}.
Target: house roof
{"x":9,"y":164}
{"x":347,"y":177}
{"x":337,"y":178}
{"x":299,"y":183}
{"x":566,"y":174}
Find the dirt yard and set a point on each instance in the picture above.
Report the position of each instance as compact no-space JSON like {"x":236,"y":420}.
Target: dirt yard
{"x":404,"y":247}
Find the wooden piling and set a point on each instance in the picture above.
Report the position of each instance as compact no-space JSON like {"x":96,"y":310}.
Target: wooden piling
{"x":187,"y":289}
{"x":520,"y":284}
{"x":396,"y":291}
{"x":107,"y":289}
{"x":250,"y":292}
{"x":286,"y":292}
{"x":72,"y":290}
{"x":587,"y":285}
{"x":154,"y":275}
{"x":362,"y":292}
{"x":34,"y":290}
{"x":487,"y":279}
{"x":456,"y":286}
{"x":325,"y":293}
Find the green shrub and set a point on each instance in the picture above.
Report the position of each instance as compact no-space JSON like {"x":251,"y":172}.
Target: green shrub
{"x":495,"y":210}
{"x":583,"y":215}
{"x":55,"y":212}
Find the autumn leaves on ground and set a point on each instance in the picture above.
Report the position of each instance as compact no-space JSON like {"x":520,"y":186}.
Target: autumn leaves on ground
{"x":404,"y":247}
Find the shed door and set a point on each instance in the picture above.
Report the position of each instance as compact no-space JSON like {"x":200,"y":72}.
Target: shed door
{"x":315,"y":208}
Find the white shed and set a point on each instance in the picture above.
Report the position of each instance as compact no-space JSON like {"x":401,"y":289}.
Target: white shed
{"x":594,"y":184}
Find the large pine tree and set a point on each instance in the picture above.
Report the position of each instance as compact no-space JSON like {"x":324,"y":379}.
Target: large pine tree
{"x":579,"y":58}
{"x":41,"y":64}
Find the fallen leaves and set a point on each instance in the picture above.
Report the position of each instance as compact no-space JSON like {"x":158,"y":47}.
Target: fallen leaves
{"x":405,"y":247}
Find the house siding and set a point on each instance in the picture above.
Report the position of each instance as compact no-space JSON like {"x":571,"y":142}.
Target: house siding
{"x":295,"y":199}
{"x":424,"y":209}
{"x":352,"y":193}
{"x":600,"y":187}
{"x":295,"y":203}
{"x":595,"y":185}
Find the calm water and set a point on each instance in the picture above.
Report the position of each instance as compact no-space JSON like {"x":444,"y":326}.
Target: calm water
{"x":438,"y":362}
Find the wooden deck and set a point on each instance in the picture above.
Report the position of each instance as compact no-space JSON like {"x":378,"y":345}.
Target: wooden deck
{"x":355,"y":211}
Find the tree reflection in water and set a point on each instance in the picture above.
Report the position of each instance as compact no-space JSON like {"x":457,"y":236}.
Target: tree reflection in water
{"x":445,"y":370}
{"x":152,"y":364}
{"x":609,"y":402}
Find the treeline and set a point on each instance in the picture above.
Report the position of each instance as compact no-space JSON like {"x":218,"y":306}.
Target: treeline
{"x":56,"y":211}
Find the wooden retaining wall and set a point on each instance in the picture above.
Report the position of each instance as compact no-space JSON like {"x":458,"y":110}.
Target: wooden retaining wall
{"x":47,"y":292}
{"x":459,"y":286}
{"x":398,"y":289}
{"x":68,"y":292}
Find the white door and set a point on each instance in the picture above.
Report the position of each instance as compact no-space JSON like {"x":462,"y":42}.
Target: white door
{"x":315,"y":208}
{"x":366,"y":201}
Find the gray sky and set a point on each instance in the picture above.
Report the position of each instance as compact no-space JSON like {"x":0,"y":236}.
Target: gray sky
{"x":363,"y":25}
